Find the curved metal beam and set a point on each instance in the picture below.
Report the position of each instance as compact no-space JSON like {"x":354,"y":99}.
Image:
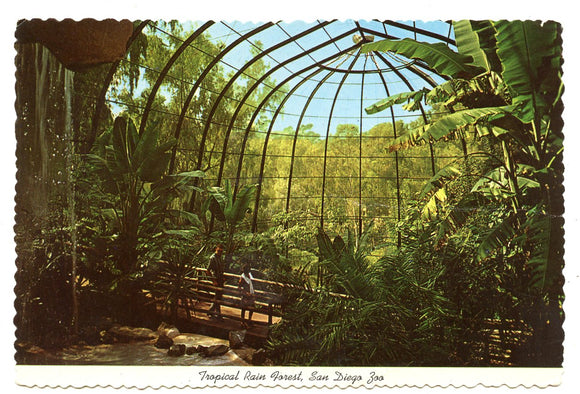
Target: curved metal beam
{"x":239,"y":73}
{"x":326,"y":140}
{"x":412,"y":67}
{"x":363,"y":71}
{"x":278,"y":110}
{"x":416,"y":30}
{"x":265,"y":149}
{"x":266,"y":75}
{"x":165,"y":70}
{"x":406,"y":81}
{"x":294,"y":142}
{"x":202,"y":76}
{"x":397,"y":179}
{"x":362,"y":85}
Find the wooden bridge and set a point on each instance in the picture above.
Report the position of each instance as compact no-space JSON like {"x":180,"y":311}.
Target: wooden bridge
{"x":195,"y":314}
{"x":494,"y":341}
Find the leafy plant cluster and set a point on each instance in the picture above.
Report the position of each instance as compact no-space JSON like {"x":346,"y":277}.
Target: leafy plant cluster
{"x":482,"y":240}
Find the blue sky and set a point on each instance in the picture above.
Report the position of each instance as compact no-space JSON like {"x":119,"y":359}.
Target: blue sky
{"x":348,"y":93}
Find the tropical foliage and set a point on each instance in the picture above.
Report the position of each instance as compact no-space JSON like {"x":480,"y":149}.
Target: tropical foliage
{"x":486,"y":226}
{"x":512,"y":98}
{"x":472,"y":238}
{"x":134,"y":195}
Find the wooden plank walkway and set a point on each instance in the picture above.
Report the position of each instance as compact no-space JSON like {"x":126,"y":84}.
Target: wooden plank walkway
{"x":196,"y":315}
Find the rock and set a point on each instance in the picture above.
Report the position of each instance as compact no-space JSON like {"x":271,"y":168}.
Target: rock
{"x":90,"y":335}
{"x":202,"y":350}
{"x":176,"y":350}
{"x":107,"y":338}
{"x":27,"y":353}
{"x":190,"y":350}
{"x":131,"y":334}
{"x":216,"y":350}
{"x":163,"y":342}
{"x":237,"y":339}
{"x":168,"y":330}
{"x":259,"y":357}
{"x":245,"y":353}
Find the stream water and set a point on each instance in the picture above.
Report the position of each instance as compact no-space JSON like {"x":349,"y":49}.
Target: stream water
{"x":145,"y":353}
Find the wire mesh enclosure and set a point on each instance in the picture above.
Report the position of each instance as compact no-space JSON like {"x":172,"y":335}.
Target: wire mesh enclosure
{"x":304,"y":86}
{"x":402,"y":177}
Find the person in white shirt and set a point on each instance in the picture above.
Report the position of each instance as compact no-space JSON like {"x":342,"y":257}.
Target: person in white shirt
{"x":246,"y":285}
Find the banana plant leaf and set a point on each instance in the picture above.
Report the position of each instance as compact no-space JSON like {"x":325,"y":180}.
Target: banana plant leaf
{"x":396,"y":99}
{"x":440,"y":179}
{"x":543,"y":263}
{"x":438,"y":56}
{"x":499,"y":236}
{"x":447,"y":125}
{"x":467,"y":41}
{"x":494,"y":184}
{"x":240,"y":205}
{"x":325,"y":246}
{"x":124,"y":141}
{"x":487,"y":42}
{"x":531,"y":60}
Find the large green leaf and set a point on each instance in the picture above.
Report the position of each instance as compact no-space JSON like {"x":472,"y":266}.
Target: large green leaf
{"x":155,"y":166}
{"x":544,"y":262}
{"x":325,"y":246}
{"x":241,"y":204}
{"x":447,"y":125}
{"x":433,"y":193}
{"x":494,"y":184}
{"x":531,"y":56}
{"x":191,"y":218}
{"x":170,"y":184}
{"x":124,"y":140}
{"x":468,"y":44}
{"x":437,"y":55}
{"x":146,"y":145}
{"x":499,"y":236}
{"x":227,"y":207}
{"x":452,"y":122}
{"x":439,"y":180}
{"x":487,"y":42}
{"x":399,"y":98}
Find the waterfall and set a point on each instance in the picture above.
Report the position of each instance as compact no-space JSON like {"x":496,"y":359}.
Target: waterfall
{"x":70,"y":170}
{"x":42,"y":92}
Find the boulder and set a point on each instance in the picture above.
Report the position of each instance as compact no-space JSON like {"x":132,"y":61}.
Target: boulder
{"x":90,"y":335}
{"x":216,"y":350}
{"x":107,"y":338}
{"x":202,"y":349}
{"x":167,"y":330}
{"x":245,"y":353}
{"x":259,"y":357}
{"x":131,"y":334}
{"x":176,"y":350}
{"x":163,"y":342}
{"x":237,"y":339}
